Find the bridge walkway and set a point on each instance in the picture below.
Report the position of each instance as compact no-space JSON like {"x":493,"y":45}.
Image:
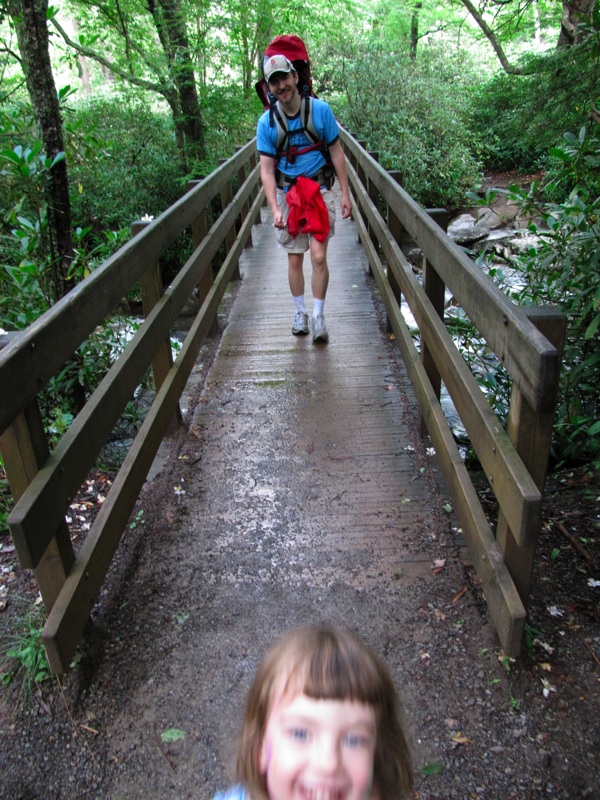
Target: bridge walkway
{"x":300,"y":491}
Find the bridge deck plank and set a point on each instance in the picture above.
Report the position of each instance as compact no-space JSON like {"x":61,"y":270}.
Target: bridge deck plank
{"x":319,"y":441}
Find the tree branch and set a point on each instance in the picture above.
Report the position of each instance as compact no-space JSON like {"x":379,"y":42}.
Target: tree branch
{"x":91,"y":53}
{"x":492,"y":38}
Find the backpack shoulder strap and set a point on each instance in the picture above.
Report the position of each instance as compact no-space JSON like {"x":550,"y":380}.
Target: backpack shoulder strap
{"x":306,"y":111}
{"x":280,"y":121}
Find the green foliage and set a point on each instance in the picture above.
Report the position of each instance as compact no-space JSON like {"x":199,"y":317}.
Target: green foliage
{"x":563,"y":270}
{"x":27,"y":277}
{"x":26,"y":654}
{"x":230,"y":116}
{"x":6,"y":501}
{"x":415,"y":114}
{"x":122,"y":162}
{"x":517,"y":119}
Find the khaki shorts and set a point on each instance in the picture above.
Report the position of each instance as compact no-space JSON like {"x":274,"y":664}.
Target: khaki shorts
{"x":302,"y":242}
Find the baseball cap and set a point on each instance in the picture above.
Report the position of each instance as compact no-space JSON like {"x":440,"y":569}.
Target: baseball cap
{"x":274,"y":64}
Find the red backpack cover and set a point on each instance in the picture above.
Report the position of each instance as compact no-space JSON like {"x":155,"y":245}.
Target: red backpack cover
{"x":293,"y":48}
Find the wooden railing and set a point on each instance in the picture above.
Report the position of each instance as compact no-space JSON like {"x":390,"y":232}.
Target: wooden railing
{"x":528,"y":342}
{"x":43,"y":483}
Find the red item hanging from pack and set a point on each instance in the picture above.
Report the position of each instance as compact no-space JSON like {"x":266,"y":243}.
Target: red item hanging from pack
{"x":308,"y":212}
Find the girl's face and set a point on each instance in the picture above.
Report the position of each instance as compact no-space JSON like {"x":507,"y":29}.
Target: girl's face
{"x":319,"y":750}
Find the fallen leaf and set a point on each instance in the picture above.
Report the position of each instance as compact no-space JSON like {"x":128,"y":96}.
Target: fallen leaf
{"x":173,"y":735}
{"x":435,"y":768}
{"x":460,"y":738}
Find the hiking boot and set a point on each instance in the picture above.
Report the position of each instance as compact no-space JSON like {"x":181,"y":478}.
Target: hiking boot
{"x":300,"y":326}
{"x":320,"y":333}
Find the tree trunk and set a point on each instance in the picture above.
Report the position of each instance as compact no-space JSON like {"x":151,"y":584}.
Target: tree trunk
{"x":414,"y":30}
{"x":29,"y":17}
{"x":492,"y":39}
{"x":574,"y":13}
{"x":189,"y":118}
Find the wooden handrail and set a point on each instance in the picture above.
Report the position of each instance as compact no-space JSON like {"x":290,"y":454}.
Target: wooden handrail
{"x":504,"y":564}
{"x":44,"y":484}
{"x":527,"y":355}
{"x":30,"y":360}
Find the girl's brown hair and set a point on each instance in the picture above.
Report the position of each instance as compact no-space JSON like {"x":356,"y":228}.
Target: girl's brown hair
{"x":327,"y":663}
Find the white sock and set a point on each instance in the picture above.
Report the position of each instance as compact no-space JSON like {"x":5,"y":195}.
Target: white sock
{"x":318,"y":308}
{"x":299,"y":303}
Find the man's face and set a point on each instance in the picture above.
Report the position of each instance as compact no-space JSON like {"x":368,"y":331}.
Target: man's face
{"x":283,"y":85}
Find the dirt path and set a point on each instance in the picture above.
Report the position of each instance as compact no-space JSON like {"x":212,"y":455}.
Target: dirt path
{"x":300,"y":491}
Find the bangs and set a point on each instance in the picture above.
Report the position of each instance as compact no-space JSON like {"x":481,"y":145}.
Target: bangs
{"x":327,"y":665}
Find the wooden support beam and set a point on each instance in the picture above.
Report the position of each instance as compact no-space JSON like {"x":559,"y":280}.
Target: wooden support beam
{"x":152,"y":289}
{"x":24,"y":450}
{"x":531,"y":434}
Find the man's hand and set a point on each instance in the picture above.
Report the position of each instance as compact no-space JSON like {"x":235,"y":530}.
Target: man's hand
{"x":346,"y":204}
{"x":278,"y":219}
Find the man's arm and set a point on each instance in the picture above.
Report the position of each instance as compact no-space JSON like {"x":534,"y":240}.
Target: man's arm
{"x":267,"y":176}
{"x":338,"y":160}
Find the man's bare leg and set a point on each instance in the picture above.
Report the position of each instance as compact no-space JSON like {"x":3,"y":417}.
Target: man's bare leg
{"x":319,"y":284}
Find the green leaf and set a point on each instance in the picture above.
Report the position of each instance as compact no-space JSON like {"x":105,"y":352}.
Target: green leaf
{"x":435,"y":768}
{"x":57,"y":158}
{"x":11,"y":155}
{"x":173,"y":735}
{"x":594,"y":429}
{"x":592,"y":327}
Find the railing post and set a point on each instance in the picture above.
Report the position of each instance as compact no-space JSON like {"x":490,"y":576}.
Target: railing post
{"x":253,"y":161}
{"x":152,"y":290}
{"x":226,"y":197}
{"x":398,"y":232}
{"x":241,"y":176}
{"x":24,"y":450}
{"x":361,"y":177}
{"x":199,"y":231}
{"x":373,"y":193}
{"x":435,"y":290}
{"x":531,"y":434}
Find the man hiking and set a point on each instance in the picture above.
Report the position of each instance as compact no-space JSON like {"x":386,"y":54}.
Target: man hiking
{"x":311,"y":224}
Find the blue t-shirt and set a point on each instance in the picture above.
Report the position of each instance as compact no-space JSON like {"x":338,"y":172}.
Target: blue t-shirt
{"x":236,"y":792}
{"x":309,"y":163}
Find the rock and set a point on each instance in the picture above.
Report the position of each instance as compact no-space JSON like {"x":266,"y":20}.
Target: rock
{"x":522,"y":243}
{"x":466,"y":229}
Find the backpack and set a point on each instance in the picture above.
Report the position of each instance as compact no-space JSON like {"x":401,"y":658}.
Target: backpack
{"x":294,"y":49}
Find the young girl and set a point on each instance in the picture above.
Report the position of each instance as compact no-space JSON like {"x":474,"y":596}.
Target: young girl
{"x":322,"y":722}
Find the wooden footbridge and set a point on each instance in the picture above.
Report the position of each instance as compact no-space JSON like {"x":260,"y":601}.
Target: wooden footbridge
{"x":333,"y":394}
